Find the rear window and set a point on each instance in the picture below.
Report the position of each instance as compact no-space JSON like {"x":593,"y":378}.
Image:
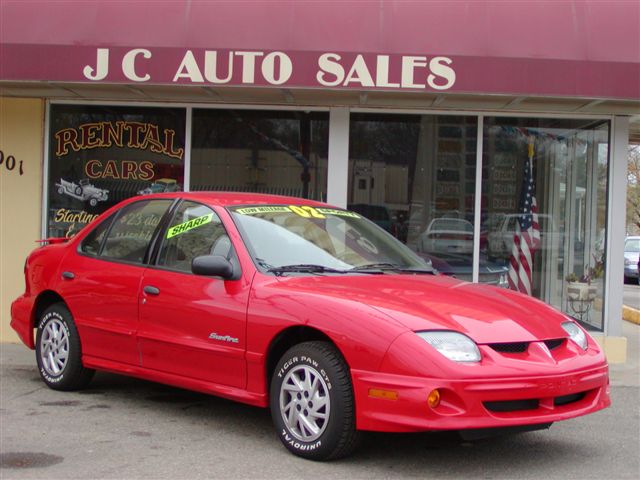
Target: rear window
{"x":632,"y":245}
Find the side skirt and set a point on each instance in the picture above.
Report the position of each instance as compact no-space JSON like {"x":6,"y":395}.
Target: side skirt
{"x":231,"y":393}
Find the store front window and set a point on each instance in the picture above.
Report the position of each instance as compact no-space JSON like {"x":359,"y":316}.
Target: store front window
{"x":544,"y":200}
{"x":100,"y":155}
{"x":414,"y":175}
{"x":278,"y":152}
{"x":544,"y":194}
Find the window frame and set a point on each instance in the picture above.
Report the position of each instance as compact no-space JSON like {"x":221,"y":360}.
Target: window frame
{"x":160,"y":241}
{"x":113,"y":218}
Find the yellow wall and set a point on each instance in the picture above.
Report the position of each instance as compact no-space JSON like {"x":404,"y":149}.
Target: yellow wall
{"x":21,"y":136}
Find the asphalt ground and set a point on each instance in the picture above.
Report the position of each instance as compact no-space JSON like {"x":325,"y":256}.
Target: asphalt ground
{"x":126,"y":428}
{"x":631,"y":296}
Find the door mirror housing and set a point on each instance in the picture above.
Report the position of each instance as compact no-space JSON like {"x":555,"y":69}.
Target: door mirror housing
{"x":212,"y":266}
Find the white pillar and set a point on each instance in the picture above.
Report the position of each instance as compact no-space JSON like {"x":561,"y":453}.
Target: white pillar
{"x":187,"y":150}
{"x":616,"y":226}
{"x":338,"y":164}
{"x":477,"y":207}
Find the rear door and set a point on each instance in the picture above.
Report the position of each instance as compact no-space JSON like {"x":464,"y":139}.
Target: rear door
{"x":191,"y":325}
{"x":102,"y":281}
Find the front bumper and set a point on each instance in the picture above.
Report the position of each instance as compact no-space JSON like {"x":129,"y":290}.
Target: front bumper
{"x":473,"y":404}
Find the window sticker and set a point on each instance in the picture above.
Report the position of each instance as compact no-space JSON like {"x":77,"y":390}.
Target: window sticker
{"x":190,"y":225}
{"x":257,"y":210}
{"x":305,"y":211}
{"x":339,"y":213}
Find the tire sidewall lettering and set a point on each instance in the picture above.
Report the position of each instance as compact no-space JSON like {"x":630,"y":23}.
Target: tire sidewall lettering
{"x":297,"y":444}
{"x":302,"y":359}
{"x":43,"y":322}
{"x":289,"y":363}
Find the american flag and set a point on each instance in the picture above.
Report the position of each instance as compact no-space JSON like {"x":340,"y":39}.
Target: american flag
{"x":526,"y":238}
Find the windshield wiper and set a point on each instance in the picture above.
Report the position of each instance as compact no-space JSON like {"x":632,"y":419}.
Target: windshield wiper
{"x":390,"y":266}
{"x":304,"y":268}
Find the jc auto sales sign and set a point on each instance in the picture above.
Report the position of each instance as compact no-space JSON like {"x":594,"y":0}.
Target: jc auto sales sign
{"x":168,"y":65}
{"x":279,"y":69}
{"x":417,"y":72}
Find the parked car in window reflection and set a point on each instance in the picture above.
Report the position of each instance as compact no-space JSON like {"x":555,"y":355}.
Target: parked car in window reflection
{"x":460,"y":266}
{"x":447,"y":235}
{"x":500,"y":239}
{"x":631,"y":259}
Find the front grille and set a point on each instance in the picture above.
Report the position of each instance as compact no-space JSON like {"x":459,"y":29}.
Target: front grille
{"x":516,"y":347}
{"x":555,"y":343}
{"x":512,"y":405}
{"x":567,"y":399}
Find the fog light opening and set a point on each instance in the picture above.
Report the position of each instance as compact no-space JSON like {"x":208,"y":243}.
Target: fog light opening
{"x":434,"y":398}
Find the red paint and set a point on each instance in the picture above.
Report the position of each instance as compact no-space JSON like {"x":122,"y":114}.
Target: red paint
{"x":370,"y":318}
{"x":576,"y":48}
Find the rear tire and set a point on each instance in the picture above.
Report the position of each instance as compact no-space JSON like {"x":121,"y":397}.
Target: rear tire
{"x":58,"y":350}
{"x":312,"y":404}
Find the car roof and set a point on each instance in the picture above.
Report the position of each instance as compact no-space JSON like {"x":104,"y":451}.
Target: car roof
{"x":226,"y":199}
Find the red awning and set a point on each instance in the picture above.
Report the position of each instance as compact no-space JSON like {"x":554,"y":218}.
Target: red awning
{"x":578,"y":49}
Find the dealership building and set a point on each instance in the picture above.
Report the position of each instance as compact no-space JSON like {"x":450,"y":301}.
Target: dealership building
{"x":438,"y":121}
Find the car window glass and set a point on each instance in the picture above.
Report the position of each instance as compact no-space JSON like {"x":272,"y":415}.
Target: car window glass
{"x":132,"y":230}
{"x":92,"y":242}
{"x":194,"y":230}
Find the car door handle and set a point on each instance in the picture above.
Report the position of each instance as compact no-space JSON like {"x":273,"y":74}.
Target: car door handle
{"x":151,"y":290}
{"x":68,"y":275}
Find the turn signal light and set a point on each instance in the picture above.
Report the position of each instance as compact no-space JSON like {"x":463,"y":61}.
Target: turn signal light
{"x":385,"y":394}
{"x":434,"y":398}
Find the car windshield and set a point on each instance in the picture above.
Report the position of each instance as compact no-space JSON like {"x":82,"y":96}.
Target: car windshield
{"x":301,"y":236}
{"x":632,"y":245}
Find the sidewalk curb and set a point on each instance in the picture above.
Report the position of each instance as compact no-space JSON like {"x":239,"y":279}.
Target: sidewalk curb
{"x":631,"y":315}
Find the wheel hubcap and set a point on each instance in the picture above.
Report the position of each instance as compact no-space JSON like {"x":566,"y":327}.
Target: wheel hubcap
{"x":54,"y":347}
{"x":305,"y":403}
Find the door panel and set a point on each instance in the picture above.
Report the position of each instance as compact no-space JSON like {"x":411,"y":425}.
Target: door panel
{"x":102,"y":284}
{"x":194,"y":326}
{"x":103,"y":298}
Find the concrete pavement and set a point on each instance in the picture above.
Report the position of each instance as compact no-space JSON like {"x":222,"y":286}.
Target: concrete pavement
{"x":127,"y":428}
{"x":631,"y":296}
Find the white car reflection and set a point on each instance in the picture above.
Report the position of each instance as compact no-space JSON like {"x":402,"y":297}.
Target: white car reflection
{"x":447,"y":235}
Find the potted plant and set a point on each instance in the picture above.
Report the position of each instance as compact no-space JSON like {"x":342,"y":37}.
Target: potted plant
{"x":580,"y":288}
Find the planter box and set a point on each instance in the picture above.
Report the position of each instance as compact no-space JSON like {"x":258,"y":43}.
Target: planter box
{"x":581,"y":291}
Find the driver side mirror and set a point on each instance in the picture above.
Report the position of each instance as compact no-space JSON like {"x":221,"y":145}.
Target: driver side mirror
{"x":212,"y":266}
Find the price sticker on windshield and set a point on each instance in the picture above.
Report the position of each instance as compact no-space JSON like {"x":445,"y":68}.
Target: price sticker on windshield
{"x":306,"y":211}
{"x":190,"y":225}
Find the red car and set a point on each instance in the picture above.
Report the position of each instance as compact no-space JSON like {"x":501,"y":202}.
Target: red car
{"x":307,"y":309}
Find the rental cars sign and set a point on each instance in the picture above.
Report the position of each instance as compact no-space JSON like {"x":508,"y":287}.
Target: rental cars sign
{"x":232,"y":67}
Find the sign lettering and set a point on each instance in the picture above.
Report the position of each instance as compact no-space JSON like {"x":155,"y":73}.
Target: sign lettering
{"x":329,"y":69}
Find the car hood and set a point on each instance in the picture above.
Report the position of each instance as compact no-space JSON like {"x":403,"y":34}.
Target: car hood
{"x":425,"y":302}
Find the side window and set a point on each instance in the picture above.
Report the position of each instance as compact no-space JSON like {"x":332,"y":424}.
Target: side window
{"x":92,"y":242}
{"x":194,"y":230}
{"x":132,"y":230}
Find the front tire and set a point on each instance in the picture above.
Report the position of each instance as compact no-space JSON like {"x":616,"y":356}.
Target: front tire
{"x":58,"y":350}
{"x":312,"y":404}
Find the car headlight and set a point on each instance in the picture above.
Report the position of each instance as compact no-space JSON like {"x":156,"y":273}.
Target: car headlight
{"x":453,"y":345}
{"x":503,"y":281}
{"x":576,"y":334}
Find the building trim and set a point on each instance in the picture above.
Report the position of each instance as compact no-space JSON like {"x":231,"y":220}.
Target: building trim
{"x":477,"y":213}
{"x":616,"y":222}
